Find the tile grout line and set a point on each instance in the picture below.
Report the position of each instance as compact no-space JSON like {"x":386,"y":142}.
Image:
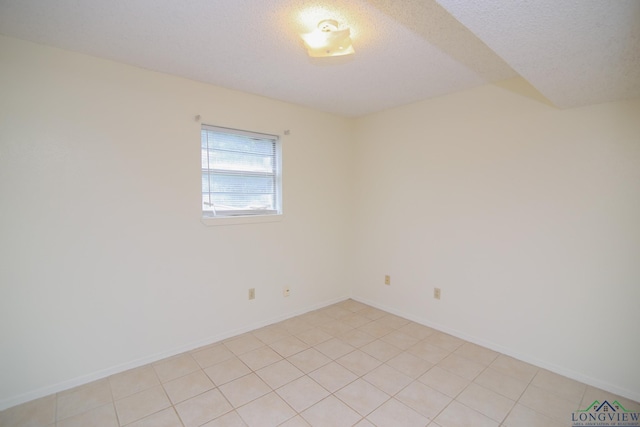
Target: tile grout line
{"x":522,"y":394}
{"x":113,"y":401}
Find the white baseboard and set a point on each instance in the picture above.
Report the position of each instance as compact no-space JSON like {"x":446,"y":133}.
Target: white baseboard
{"x":560,"y":370}
{"x":85,"y":379}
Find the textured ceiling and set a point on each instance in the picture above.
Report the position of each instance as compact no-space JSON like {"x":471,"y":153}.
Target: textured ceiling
{"x":575,"y":52}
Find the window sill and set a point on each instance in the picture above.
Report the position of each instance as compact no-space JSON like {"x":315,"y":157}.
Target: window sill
{"x":236,"y":220}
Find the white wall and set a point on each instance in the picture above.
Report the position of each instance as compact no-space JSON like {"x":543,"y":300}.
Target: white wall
{"x":527,"y":217}
{"x":104,"y":262}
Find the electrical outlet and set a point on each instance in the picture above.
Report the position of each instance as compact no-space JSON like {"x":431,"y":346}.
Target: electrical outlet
{"x":387,"y":280}
{"x":436,"y":293}
{"x":286,"y":291}
{"x":252,"y":293}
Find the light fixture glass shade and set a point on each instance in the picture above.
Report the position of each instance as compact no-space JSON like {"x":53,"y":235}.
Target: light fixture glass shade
{"x":328,"y":40}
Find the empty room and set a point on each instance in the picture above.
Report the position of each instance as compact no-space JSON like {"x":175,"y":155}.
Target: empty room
{"x":402,"y":213}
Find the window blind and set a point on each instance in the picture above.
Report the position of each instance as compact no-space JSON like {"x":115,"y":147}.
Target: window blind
{"x":239,"y":173}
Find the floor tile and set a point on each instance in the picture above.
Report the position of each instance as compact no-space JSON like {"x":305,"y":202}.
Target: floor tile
{"x":459,"y":415}
{"x":443,"y":381}
{"x":514,"y":368}
{"x":486,"y":402}
{"x":359,"y":362}
{"x":400,"y":340}
{"x":548,"y":404}
{"x":267,"y":411}
{"x":243,"y":344}
{"x":37,"y":413}
{"x":289,"y":346}
{"x":356,"y":338}
{"x":175,"y":367}
{"x":336,"y":327}
{"x":381,"y":350}
{"x":296,"y":421}
{"x":376,"y":329}
{"x":332,"y":376}
{"x":393,"y":321}
{"x":423,"y":399}
{"x":416,"y":330}
{"x":476,"y":353}
{"x":521,"y":416}
{"x":561,"y":386}
{"x":444,"y":341}
{"x":212,"y":355}
{"x":428,"y":352}
{"x":302,"y":393}
{"x":296,"y":325}
{"x":186,"y":387}
{"x":409,"y":364}
{"x":279,"y":374}
{"x":230,"y":419}
{"x":372,"y":313}
{"x":102,"y":416}
{"x":387,"y":379}
{"x":334,"y":348}
{"x":164,"y":418}
{"x":394,"y":413}
{"x":505,"y":385}
{"x":133,"y":381}
{"x":336,"y":312}
{"x":355,"y":320}
{"x":270,"y":334}
{"x":317,"y":318}
{"x":141,"y":404}
{"x":460,"y":366}
{"x":364,"y":423}
{"x":361,"y":396}
{"x":331,"y":412}
{"x":260,"y":357}
{"x":203,"y":408}
{"x":244,"y":390}
{"x":352,"y":305}
{"x":227,"y":371}
{"x":309,"y":360}
{"x":81,"y":399}
{"x":314,"y":336}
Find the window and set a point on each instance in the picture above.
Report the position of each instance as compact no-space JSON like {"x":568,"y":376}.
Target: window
{"x":240,"y":173}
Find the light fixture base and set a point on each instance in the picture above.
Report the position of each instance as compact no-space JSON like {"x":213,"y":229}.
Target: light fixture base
{"x":328,"y":40}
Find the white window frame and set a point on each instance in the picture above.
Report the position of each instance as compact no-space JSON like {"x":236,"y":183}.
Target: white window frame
{"x":211,"y":217}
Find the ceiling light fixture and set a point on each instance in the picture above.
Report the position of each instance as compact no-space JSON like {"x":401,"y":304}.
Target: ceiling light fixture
{"x":328,"y":40}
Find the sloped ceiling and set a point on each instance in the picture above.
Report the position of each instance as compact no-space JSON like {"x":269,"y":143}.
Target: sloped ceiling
{"x":575,"y":52}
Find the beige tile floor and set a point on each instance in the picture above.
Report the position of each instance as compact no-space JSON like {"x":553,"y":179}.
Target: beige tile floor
{"x":345,"y":365}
